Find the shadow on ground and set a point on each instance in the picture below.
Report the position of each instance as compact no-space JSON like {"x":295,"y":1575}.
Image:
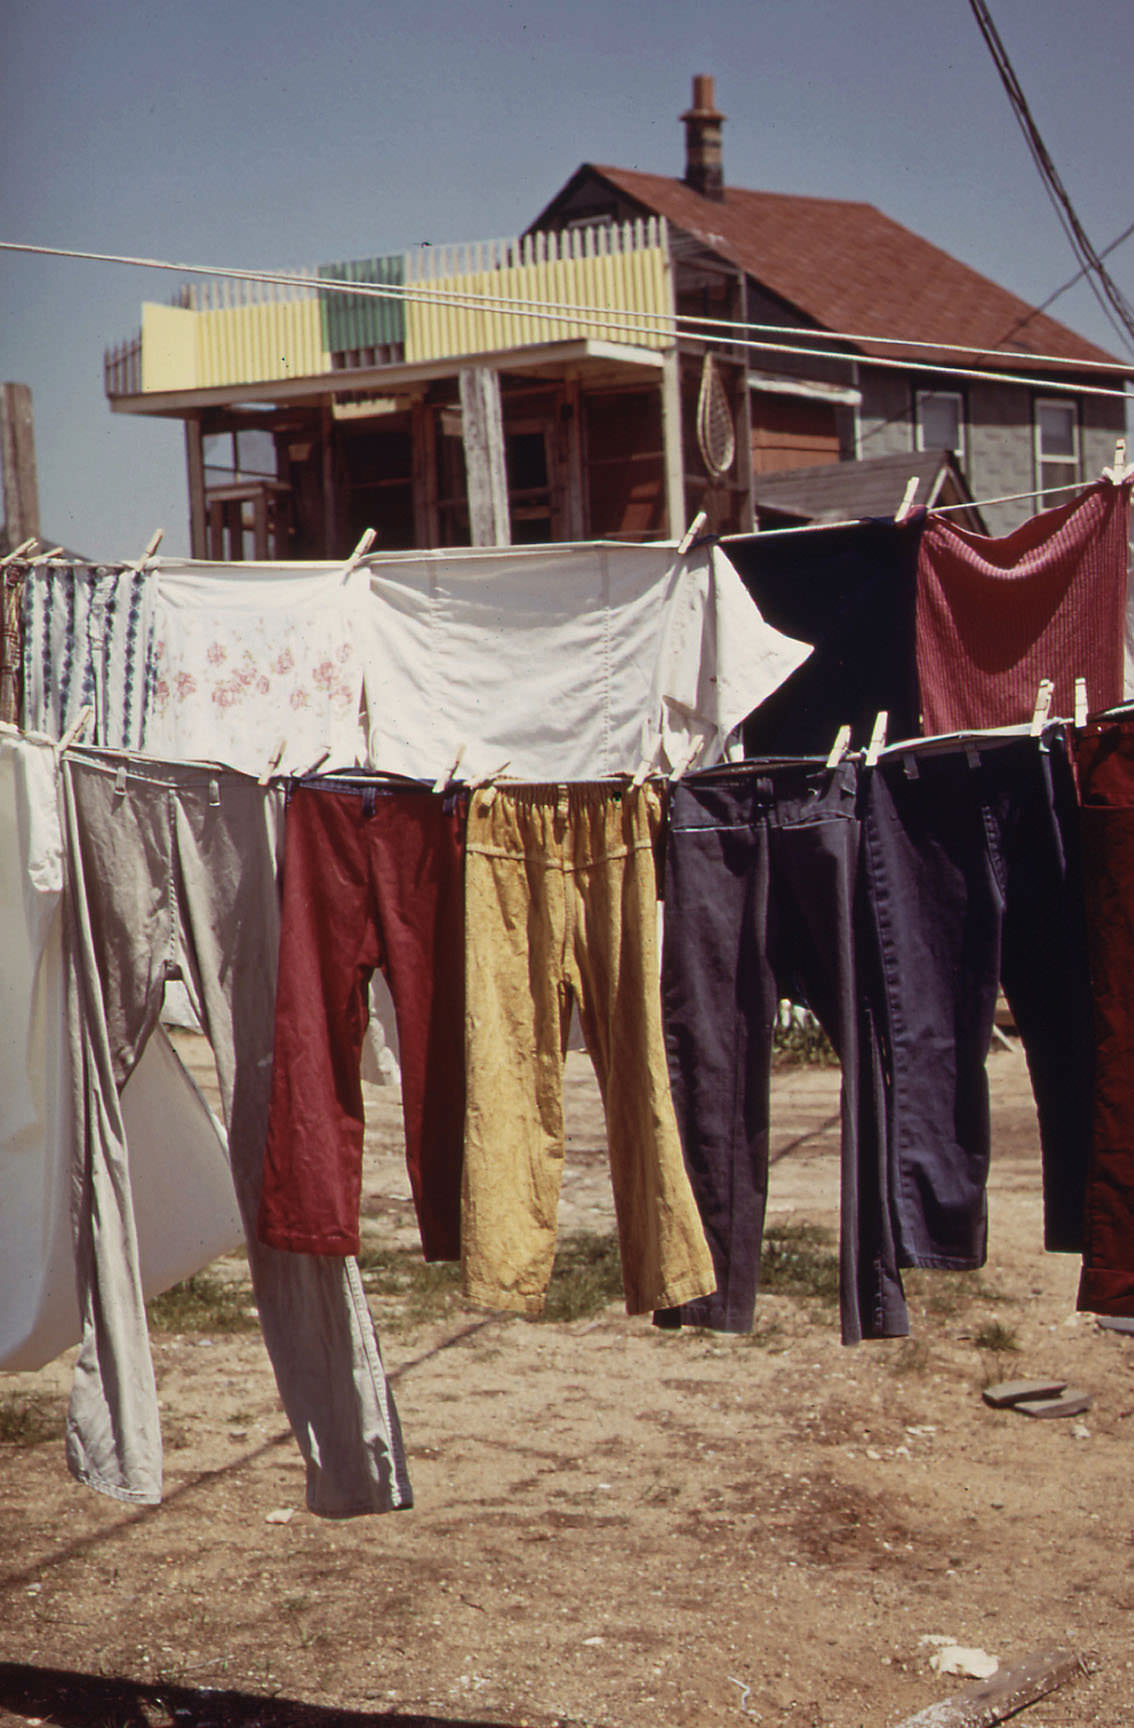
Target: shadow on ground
{"x":75,"y":1700}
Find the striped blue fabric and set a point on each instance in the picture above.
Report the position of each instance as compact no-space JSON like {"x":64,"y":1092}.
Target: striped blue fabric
{"x":88,"y":641}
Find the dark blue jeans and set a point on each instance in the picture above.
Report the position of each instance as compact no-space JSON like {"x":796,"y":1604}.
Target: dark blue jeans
{"x":760,"y":885}
{"x":972,"y":879}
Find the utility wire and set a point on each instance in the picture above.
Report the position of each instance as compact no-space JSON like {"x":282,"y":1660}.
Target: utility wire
{"x":1101,"y":282}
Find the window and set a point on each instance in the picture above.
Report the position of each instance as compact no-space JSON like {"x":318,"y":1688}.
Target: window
{"x":1057,"y":448}
{"x":940,"y":421}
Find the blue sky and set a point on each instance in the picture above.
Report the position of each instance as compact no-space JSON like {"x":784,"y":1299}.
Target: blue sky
{"x":259,"y":135}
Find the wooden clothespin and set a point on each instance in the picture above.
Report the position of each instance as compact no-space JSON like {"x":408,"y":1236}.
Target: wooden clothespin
{"x":1043,"y":706}
{"x":908,"y":497}
{"x":840,"y":747}
{"x":313,"y":767}
{"x":699,"y":523}
{"x":75,"y":732}
{"x":360,"y":552}
{"x":684,"y":767}
{"x":46,"y":557}
{"x":152,"y":545}
{"x":877,"y":738}
{"x":19,"y":552}
{"x":1120,"y":472}
{"x":274,"y":761}
{"x":444,"y":780}
{"x":1081,"y":709}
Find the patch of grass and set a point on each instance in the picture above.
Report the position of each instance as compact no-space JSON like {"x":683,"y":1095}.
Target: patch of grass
{"x":798,"y":1260}
{"x":203,"y":1303}
{"x":587,"y":1276}
{"x":28,"y":1419}
{"x":909,"y":1357}
{"x":798,"y":1038}
{"x":995,"y":1336}
{"x":947,"y":1294}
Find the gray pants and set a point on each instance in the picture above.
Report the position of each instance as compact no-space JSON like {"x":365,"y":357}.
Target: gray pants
{"x":172,"y":872}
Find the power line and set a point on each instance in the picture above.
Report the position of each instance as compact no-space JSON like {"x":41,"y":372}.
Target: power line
{"x":1101,"y":282}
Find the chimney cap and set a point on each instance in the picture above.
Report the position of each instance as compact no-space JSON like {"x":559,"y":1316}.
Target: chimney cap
{"x":704,"y":104}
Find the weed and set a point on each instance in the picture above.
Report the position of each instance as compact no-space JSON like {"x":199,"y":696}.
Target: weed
{"x":995,"y":1336}
{"x":29,"y":1420}
{"x":587,"y":1277}
{"x":797,"y":1260}
{"x":415,"y":1290}
{"x":798,"y":1038}
{"x":203,"y":1303}
{"x":947,"y":1294}
{"x":909,"y":1356}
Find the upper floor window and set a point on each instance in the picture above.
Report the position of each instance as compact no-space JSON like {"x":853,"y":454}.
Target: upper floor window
{"x":1056,"y":448}
{"x":940,"y":421}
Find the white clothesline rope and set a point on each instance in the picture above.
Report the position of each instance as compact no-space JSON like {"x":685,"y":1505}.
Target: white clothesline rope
{"x":934,"y":510}
{"x":629,"y":323}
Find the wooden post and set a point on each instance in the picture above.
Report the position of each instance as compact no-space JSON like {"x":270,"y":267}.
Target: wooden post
{"x":671,"y":444}
{"x":576,"y":519}
{"x":482,"y":428}
{"x":17,"y":457}
{"x":423,"y":423}
{"x":195,"y":463}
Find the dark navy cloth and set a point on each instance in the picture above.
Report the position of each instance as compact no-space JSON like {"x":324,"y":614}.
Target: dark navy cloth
{"x":851,"y":591}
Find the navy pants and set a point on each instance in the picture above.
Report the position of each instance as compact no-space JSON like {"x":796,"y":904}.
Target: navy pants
{"x":760,"y":888}
{"x":971,"y":878}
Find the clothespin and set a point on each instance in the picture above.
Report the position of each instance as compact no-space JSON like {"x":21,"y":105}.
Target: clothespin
{"x":19,"y":552}
{"x":274,"y":761}
{"x":444,"y":780}
{"x":1120,"y":472}
{"x":699,"y":523}
{"x":46,"y":557}
{"x":360,"y":552}
{"x":684,"y":767}
{"x":1043,"y":706}
{"x":840,"y":747}
{"x":152,"y":545}
{"x":487,"y":779}
{"x":1081,"y":702}
{"x":318,"y":762}
{"x":877,"y":738}
{"x":75,"y":732}
{"x":908,"y":497}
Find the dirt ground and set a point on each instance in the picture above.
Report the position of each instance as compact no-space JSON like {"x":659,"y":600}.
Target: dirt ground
{"x":613,"y":1525}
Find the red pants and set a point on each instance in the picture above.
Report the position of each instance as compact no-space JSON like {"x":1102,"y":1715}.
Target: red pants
{"x":372,"y":877}
{"x":1104,"y":754}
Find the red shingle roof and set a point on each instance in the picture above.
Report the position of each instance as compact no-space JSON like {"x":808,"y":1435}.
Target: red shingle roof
{"x":849,"y":267}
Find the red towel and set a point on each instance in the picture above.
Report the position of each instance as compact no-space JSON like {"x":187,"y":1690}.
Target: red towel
{"x":996,"y":616}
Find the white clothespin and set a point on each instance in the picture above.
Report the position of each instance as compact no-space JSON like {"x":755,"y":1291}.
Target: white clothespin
{"x":152,"y":545}
{"x":684,"y":767}
{"x":877,"y":738}
{"x":18,"y":552}
{"x":1043,"y":706}
{"x":274,"y":761}
{"x":359,"y":552}
{"x":840,"y":747}
{"x":908,"y":497}
{"x":444,"y":780}
{"x":698,"y":524}
{"x":1081,"y":702}
{"x":75,"y":732}
{"x":1120,"y":472}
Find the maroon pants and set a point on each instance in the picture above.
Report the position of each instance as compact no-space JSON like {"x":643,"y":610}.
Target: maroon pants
{"x":372,"y":877}
{"x":1104,"y":753}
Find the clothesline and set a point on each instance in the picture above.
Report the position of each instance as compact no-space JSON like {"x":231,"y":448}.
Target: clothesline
{"x":597,"y":318}
{"x":938,"y":510}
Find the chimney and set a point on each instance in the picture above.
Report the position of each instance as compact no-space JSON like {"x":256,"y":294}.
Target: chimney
{"x":704,"y":171}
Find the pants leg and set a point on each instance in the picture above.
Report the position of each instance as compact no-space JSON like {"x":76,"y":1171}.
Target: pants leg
{"x":1105,"y":761}
{"x":372,"y":878}
{"x":614,"y":969}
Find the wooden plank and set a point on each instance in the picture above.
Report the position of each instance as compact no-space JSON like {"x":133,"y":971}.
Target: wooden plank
{"x":994,"y":1700}
{"x":482,"y":429}
{"x":671,"y":439}
{"x":195,"y":464}
{"x":17,"y":459}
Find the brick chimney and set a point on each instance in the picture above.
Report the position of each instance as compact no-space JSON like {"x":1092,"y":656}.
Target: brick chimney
{"x":704,"y":170}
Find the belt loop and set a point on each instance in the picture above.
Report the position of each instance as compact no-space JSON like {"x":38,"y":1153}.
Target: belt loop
{"x":120,"y":783}
{"x":214,"y":792}
{"x":563,"y":803}
{"x":369,"y":801}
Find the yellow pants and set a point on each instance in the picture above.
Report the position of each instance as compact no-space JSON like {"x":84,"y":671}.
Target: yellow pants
{"x":561,"y":905}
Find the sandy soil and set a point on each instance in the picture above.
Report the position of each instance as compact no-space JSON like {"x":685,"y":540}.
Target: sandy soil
{"x":613,"y":1525}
